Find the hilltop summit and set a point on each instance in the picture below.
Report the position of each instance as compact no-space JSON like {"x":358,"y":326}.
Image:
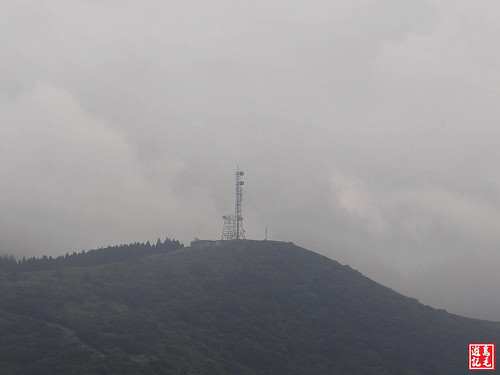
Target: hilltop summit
{"x":238,"y":307}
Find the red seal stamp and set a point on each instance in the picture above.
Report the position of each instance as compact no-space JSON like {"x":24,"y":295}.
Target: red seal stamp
{"x":481,"y":356}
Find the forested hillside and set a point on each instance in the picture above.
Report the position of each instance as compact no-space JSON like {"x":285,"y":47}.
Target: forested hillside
{"x":242,"y":307}
{"x":106,"y":255}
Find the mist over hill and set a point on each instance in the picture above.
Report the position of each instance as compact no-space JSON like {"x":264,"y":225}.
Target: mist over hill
{"x":240,"y":307}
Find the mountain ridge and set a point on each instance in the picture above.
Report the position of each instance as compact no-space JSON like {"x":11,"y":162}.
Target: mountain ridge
{"x":240,"y":307}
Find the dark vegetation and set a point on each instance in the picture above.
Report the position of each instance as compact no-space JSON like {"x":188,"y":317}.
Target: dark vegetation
{"x":243,"y":307}
{"x":110,"y":254}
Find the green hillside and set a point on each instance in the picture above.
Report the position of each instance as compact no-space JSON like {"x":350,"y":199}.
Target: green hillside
{"x":242,"y":307}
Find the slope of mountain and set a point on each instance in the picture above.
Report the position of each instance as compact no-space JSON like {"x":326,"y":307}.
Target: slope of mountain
{"x":241,"y":307}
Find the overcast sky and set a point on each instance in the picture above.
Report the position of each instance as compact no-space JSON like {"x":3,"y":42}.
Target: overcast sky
{"x":368,"y":131}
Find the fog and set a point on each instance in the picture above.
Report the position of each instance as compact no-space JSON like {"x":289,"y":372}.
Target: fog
{"x":368,"y":131}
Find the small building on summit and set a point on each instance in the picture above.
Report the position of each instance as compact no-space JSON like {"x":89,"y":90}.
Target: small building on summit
{"x":199,"y":244}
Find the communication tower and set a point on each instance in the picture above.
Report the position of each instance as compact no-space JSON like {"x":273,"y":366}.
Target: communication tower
{"x":228,"y":228}
{"x":239,"y":232}
{"x":233,"y":225}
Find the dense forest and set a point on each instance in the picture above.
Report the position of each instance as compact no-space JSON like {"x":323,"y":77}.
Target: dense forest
{"x":241,"y":307}
{"x":106,"y":255}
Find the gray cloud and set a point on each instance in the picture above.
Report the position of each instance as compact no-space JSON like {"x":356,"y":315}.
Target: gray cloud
{"x":367,"y":131}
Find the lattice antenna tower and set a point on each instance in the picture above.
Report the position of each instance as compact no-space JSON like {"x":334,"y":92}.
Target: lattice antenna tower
{"x":239,"y":232}
{"x":228,"y":228}
{"x":233,"y":224}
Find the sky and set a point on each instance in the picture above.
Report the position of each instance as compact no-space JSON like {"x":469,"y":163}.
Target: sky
{"x":368,"y":131}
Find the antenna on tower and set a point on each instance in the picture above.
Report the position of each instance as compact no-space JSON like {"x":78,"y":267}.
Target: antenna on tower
{"x":233,"y":225}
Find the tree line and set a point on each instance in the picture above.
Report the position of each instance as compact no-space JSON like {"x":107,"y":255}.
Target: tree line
{"x":110,"y":254}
